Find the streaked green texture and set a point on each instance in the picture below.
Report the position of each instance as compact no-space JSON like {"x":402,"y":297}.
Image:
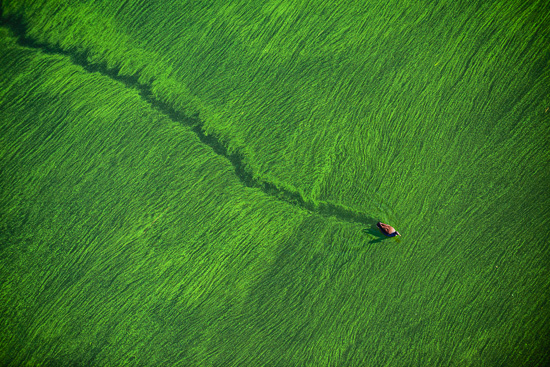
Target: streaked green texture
{"x":126,"y":239}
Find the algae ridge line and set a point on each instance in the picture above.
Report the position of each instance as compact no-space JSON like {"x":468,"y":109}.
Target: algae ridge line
{"x":326,"y":209}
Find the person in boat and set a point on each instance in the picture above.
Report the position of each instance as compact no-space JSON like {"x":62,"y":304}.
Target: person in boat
{"x":387,"y":230}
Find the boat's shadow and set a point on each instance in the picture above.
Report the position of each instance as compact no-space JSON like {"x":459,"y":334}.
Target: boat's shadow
{"x":375,"y":232}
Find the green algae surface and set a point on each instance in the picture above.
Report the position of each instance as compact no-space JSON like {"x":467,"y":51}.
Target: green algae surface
{"x":197,"y":184}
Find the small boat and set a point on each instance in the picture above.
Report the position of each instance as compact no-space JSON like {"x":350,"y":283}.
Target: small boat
{"x":387,"y":230}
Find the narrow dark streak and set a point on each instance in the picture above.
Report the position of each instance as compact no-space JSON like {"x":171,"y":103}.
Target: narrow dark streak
{"x":79,"y":57}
